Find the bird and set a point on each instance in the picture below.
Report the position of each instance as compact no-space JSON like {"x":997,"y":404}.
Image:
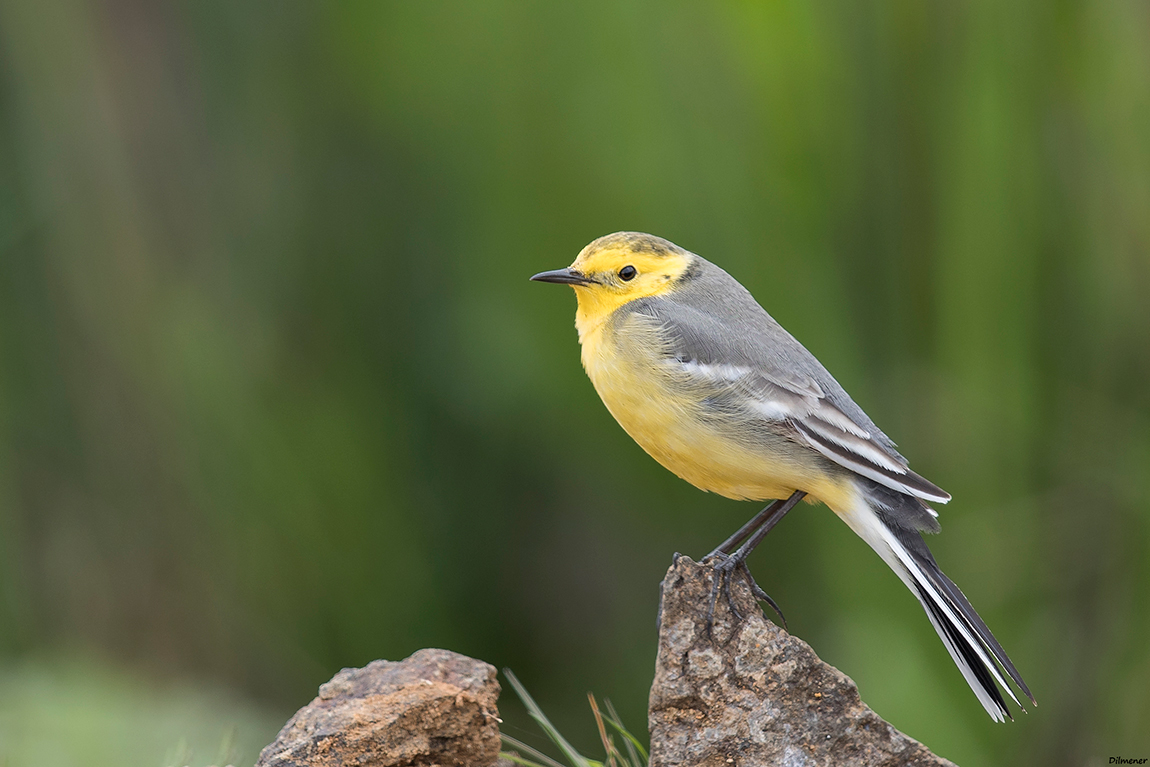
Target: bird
{"x":715,"y":390}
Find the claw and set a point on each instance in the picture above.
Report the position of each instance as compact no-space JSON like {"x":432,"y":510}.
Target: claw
{"x":726,"y":577}
{"x":747,"y":538}
{"x":716,"y":576}
{"x":723,"y":570}
{"x":761,"y":595}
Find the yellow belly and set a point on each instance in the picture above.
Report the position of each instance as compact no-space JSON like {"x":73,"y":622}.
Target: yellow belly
{"x":668,"y":422}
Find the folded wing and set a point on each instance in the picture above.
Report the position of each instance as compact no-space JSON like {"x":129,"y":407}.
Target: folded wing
{"x":785,"y":387}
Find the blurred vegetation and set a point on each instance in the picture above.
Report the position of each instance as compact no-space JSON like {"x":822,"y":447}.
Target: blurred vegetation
{"x":632,"y":752}
{"x":276,"y":396}
{"x":58,"y":713}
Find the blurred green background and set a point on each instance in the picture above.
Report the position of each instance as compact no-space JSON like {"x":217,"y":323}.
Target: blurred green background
{"x":276,"y":396}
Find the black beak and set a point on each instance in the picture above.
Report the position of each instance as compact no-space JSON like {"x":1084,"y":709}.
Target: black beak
{"x":564,"y":277}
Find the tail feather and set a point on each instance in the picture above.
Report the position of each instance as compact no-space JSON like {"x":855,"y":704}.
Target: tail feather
{"x":961,"y":604}
{"x":967,"y":660}
{"x":968,"y":640}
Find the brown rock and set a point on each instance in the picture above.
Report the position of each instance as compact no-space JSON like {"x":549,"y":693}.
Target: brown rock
{"x":749,"y":693}
{"x":434,"y":708}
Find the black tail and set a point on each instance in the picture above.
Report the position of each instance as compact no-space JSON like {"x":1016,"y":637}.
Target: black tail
{"x":978,"y":655}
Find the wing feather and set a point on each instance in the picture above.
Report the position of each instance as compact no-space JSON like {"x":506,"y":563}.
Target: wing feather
{"x":802,"y":405}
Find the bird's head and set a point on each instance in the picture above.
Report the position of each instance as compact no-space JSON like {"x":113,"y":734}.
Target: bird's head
{"x":619,"y":268}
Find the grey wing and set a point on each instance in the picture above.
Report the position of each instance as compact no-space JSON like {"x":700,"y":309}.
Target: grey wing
{"x":758,"y":368}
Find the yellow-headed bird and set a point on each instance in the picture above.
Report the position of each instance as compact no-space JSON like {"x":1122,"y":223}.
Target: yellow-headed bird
{"x":719,"y":393}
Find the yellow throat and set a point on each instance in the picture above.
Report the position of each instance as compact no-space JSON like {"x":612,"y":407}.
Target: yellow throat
{"x":656,"y":270}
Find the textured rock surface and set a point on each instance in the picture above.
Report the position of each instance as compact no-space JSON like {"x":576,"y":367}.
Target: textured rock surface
{"x":434,"y":708}
{"x":753,"y":694}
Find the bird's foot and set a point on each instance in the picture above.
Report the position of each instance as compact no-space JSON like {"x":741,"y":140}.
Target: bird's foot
{"x":725,"y":566}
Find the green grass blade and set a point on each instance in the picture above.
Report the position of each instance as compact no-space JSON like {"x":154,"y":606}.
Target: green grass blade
{"x":635,"y":749}
{"x":517,"y":759}
{"x":576,"y":759}
{"x":518,"y":745}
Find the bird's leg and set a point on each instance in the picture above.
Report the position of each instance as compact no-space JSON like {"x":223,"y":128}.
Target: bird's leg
{"x":756,"y":538}
{"x":750,"y":535}
{"x":727,"y":546}
{"x":723,"y":551}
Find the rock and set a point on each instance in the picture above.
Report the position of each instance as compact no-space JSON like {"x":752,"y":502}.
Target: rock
{"x":434,"y":708}
{"x":753,"y":694}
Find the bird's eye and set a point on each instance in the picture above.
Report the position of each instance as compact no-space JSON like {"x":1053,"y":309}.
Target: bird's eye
{"x":628,"y":273}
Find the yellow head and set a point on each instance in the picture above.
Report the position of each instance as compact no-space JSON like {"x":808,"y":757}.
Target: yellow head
{"x":617,"y":269}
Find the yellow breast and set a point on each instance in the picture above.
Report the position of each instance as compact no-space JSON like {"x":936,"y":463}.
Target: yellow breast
{"x":623,"y":358}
